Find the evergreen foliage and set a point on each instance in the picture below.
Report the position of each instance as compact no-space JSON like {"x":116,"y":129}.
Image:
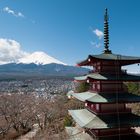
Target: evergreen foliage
{"x":133,"y":87}
{"x":82,"y":87}
{"x":68,"y":121}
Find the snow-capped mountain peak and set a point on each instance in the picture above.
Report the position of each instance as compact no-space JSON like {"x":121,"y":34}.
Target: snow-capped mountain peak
{"x":39,"y":58}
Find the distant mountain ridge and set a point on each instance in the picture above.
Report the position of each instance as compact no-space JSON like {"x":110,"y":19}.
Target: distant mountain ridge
{"x":53,"y":69}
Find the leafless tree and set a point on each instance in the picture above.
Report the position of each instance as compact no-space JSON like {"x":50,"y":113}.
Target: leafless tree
{"x":17,"y":112}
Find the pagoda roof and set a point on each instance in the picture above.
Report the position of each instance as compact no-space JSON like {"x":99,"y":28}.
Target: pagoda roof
{"x":108,"y":77}
{"x":75,"y":133}
{"x":126,"y":60}
{"x":86,"y":119}
{"x":105,"y":97}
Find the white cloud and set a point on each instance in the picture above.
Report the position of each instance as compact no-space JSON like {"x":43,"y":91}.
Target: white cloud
{"x":10,"y":51}
{"x":20,"y":14}
{"x":95,"y":44}
{"x":98,"y":33}
{"x":133,"y":69}
{"x":12,"y":12}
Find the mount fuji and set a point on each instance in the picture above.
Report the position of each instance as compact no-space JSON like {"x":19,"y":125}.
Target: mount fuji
{"x":38,"y":64}
{"x":39,"y":58}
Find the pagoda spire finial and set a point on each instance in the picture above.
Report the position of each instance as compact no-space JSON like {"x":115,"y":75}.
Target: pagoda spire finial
{"x":106,"y":33}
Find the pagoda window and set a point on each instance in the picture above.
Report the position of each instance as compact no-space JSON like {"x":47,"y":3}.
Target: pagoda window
{"x":90,"y":86}
{"x":98,"y":67}
{"x":98,"y":63}
{"x":93,"y":106}
{"x":97,"y":107}
{"x":98,"y":86}
{"x":94,"y":86}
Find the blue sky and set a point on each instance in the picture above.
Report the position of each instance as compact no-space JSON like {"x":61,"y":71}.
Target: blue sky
{"x":65,"y":29}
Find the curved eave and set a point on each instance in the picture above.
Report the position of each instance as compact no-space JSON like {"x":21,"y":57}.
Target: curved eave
{"x":84,"y":63}
{"x":105,"y":97}
{"x":123,"y":60}
{"x":86,"y":119}
{"x":88,"y":61}
{"x":98,"y":77}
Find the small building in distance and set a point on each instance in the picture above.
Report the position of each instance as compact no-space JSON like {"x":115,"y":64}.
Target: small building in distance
{"x":106,"y":115}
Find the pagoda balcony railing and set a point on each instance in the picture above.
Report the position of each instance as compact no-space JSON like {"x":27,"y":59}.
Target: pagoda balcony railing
{"x":119,"y":72}
{"x":127,"y":110}
{"x":111,"y":72}
{"x":111,"y":132}
{"x":115,"y":111}
{"x":111,"y":90}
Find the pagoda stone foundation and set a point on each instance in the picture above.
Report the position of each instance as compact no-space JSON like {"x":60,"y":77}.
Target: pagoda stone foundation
{"x":106,"y":115}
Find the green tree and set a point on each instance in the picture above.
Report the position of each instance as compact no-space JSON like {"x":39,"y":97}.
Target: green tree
{"x":133,"y":87}
{"x":82,"y":87}
{"x":68,"y":121}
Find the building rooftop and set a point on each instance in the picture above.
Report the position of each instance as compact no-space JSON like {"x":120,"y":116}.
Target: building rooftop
{"x":76,"y":133}
{"x":124,"y":60}
{"x":86,"y":119}
{"x":105,"y":97}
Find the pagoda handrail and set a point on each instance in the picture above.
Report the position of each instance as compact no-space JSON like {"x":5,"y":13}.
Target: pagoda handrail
{"x":121,"y":111}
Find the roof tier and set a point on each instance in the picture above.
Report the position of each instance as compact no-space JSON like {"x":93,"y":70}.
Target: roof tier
{"x":121,"y":59}
{"x":105,"y":97}
{"x":108,"y":77}
{"x":86,"y":119}
{"x":76,"y":133}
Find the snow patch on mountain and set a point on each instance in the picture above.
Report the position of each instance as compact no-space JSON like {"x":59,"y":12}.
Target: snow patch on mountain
{"x":39,"y":58}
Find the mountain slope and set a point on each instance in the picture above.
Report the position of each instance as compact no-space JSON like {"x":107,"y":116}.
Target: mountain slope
{"x":32,"y":69}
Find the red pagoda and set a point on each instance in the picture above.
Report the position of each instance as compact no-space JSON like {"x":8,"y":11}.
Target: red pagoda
{"x":106,"y":114}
